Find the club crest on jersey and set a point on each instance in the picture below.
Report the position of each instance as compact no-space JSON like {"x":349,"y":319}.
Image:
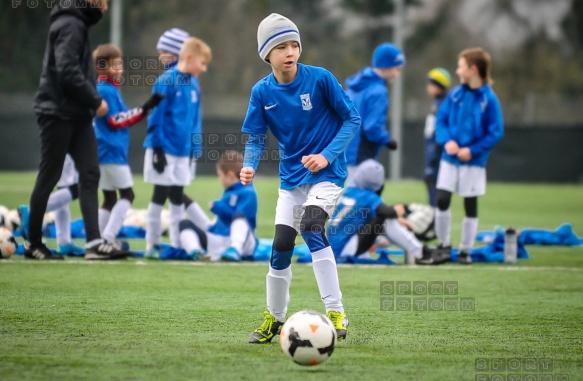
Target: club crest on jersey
{"x":306,"y":102}
{"x":194,"y":96}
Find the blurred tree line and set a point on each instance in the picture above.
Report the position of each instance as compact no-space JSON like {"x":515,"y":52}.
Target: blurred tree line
{"x":542,"y":72}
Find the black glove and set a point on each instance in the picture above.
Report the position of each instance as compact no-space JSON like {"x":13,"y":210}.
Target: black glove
{"x":152,"y":102}
{"x":159,"y":160}
{"x":392,"y":145}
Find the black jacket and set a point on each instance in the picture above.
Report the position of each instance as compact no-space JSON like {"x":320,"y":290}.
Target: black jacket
{"x":67,"y":83}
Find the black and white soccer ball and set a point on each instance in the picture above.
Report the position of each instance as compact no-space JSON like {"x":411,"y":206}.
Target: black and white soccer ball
{"x":308,"y":338}
{"x":7,"y":243}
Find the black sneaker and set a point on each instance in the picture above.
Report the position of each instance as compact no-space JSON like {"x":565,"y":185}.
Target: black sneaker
{"x":427,"y":258}
{"x":41,"y":252}
{"x":464,"y":258}
{"x":441,"y":254}
{"x":104,"y":250}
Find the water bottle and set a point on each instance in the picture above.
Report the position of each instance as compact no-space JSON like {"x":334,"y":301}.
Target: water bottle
{"x":510,"y":246}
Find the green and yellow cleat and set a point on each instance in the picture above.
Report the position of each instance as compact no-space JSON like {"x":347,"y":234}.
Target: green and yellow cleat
{"x":340,"y":322}
{"x":267,"y":331}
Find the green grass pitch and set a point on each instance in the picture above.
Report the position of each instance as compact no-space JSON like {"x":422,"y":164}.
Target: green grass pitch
{"x":142,"y":320}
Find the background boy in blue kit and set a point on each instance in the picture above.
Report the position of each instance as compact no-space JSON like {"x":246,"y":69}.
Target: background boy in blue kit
{"x":169,"y":142}
{"x":232,"y":236}
{"x":438,"y":81}
{"x":313,"y":120}
{"x":469,"y":124}
{"x":113,"y":139}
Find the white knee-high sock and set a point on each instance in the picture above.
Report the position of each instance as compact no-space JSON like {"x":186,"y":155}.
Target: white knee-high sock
{"x":196,"y":215}
{"x":116,"y":218}
{"x":327,"y":278}
{"x":189,"y":241}
{"x":469,"y":229}
{"x":277,"y":283}
{"x":240,"y":233}
{"x":58,"y":199}
{"x":63,"y":225}
{"x":443,"y":226}
{"x":103,"y":219}
{"x":176,"y":215}
{"x":402,"y":237}
{"x":153,"y":225}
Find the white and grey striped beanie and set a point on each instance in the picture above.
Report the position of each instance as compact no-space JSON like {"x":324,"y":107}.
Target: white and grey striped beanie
{"x":274,"y":30}
{"x":171,"y":41}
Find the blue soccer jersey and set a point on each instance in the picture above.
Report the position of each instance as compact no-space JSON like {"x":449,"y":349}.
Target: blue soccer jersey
{"x":237,"y":201}
{"x":112,"y":144}
{"x":311,"y":115}
{"x":355,"y":209}
{"x":175,"y":125}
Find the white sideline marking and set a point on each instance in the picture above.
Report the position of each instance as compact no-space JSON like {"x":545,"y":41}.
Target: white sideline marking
{"x":142,"y":262}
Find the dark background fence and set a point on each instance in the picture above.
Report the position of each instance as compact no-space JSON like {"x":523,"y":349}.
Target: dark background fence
{"x":533,"y":154}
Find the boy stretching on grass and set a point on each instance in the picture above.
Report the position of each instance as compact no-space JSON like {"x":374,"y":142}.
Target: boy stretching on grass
{"x":313,"y":119}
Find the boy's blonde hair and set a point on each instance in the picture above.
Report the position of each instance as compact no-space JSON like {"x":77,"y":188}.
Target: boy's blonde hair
{"x":196,"y":46}
{"x":103,"y":55}
{"x":230,"y":161}
{"x":481,"y":59}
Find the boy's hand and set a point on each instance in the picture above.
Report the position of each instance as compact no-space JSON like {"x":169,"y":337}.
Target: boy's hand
{"x":451,"y":147}
{"x":159,"y":160}
{"x":211,"y":204}
{"x":246,"y":175}
{"x":102,"y":110}
{"x":464,"y":154}
{"x":392,"y":145}
{"x":314,"y":162}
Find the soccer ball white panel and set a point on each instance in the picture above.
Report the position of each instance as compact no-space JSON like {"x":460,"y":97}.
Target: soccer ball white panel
{"x":7,"y":243}
{"x":308,"y":338}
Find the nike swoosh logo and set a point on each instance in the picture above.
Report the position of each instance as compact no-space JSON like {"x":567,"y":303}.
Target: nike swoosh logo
{"x":320,"y":198}
{"x":326,"y":296}
{"x":270,"y":106}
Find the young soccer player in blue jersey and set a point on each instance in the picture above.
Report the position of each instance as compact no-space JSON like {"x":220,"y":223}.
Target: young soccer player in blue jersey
{"x":168,"y":46}
{"x":469,"y":124}
{"x":169,"y":142}
{"x":313,"y":120}
{"x":113,"y":139}
{"x":232,"y":237}
{"x":368,"y":89}
{"x":361,"y":216}
{"x":438,"y":82}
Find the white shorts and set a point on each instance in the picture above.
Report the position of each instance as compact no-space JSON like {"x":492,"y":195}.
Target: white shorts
{"x":217,"y":244}
{"x":177,"y":171}
{"x":115,"y":176}
{"x":290,"y":203}
{"x":69,"y":176}
{"x":465,"y":180}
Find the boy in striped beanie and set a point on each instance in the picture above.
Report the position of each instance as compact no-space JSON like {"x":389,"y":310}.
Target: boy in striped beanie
{"x":169,"y":45}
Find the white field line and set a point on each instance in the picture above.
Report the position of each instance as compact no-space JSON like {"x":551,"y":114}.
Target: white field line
{"x":140,"y":262}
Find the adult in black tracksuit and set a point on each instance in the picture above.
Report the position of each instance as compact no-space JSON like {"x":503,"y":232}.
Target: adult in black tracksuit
{"x":65,"y":104}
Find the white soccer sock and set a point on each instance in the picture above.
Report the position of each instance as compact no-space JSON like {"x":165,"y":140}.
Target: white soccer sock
{"x":63,"y":225}
{"x":196,"y":215}
{"x":58,"y":199}
{"x":116,"y":218}
{"x":176,"y":215}
{"x":153,"y":225}
{"x":103,"y":219}
{"x":469,"y":229}
{"x":240,"y":233}
{"x":443,"y":226}
{"x":189,"y":241}
{"x":277,"y":283}
{"x":326,"y":273}
{"x":403,"y":238}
